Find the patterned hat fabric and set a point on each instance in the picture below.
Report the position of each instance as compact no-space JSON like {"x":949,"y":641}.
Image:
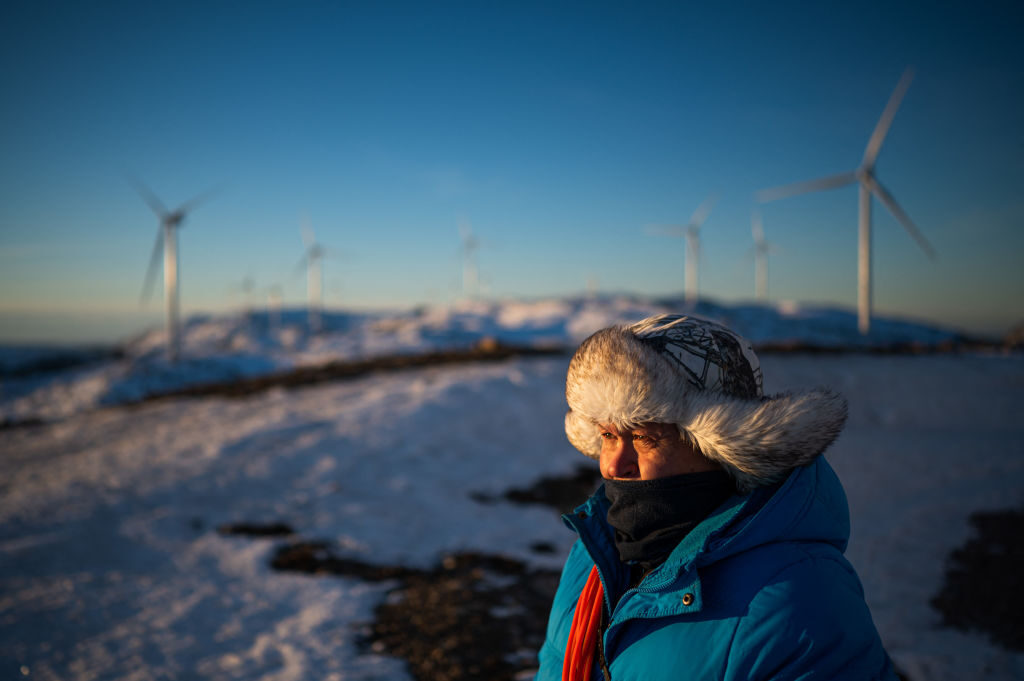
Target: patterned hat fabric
{"x":712,"y":357}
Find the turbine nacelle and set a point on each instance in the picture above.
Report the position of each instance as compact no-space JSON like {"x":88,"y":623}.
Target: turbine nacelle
{"x":174,"y":220}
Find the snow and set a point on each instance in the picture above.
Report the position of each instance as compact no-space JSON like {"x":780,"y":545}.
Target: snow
{"x":222,"y":349}
{"x":111,"y":566}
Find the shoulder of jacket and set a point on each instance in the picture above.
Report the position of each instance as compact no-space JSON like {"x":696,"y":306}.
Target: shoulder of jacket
{"x":819,"y":593}
{"x":772,"y":558}
{"x":809,"y":615}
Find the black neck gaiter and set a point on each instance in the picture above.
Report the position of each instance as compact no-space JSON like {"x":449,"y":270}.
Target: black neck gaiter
{"x":650,"y":517}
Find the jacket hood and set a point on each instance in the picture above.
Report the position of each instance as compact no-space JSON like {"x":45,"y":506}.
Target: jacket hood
{"x":809,"y":506}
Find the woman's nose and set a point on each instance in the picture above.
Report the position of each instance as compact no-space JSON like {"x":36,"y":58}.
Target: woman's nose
{"x":621,"y":460}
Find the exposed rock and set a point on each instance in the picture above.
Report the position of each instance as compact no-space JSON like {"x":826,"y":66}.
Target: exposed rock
{"x":472,"y":617}
{"x":256,"y":529}
{"x":561,"y":492}
{"x":984,"y":587}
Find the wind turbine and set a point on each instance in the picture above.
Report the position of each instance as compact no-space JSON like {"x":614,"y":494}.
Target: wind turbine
{"x":470,"y":246}
{"x":760,"y":251}
{"x":167,"y":242}
{"x":692,"y":233}
{"x":864,"y":176}
{"x":274,"y":296}
{"x":312,"y":261}
{"x":245,"y":289}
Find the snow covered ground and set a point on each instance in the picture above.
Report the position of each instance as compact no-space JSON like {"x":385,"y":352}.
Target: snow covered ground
{"x":218,"y":349}
{"x":111,"y":566}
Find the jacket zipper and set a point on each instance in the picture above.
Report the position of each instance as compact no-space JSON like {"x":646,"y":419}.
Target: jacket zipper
{"x":606,"y":624}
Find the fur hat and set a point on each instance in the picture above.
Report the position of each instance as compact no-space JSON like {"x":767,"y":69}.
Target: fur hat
{"x":706,"y":380}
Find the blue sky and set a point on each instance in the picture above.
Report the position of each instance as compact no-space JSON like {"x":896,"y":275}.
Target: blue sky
{"x":559,"y":131}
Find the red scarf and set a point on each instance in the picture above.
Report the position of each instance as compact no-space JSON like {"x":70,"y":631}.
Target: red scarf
{"x":586,"y":626}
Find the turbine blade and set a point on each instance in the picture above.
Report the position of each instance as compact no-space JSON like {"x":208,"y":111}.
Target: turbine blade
{"x":308,"y":237}
{"x":148,"y":196}
{"x":821,"y":184}
{"x":886,"y":198}
{"x":202,"y":198}
{"x":154,"y":264}
{"x":701,"y":214}
{"x":300,"y":266}
{"x":882,"y":127}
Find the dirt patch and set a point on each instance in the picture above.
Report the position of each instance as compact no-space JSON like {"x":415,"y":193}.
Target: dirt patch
{"x":43,"y":360}
{"x":33,"y":422}
{"x":472,"y":617}
{"x":256,"y":529}
{"x":491,"y":351}
{"x":984,"y":587}
{"x":950,"y":346}
{"x":316,"y":558}
{"x":562,"y":493}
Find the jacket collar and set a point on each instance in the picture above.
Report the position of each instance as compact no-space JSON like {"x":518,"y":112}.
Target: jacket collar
{"x":808,"y":506}
{"x":673,"y":587}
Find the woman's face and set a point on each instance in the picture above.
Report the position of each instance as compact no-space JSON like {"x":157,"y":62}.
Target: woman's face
{"x":648,"y":452}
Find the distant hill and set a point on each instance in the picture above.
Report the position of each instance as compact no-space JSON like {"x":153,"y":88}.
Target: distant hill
{"x":48,"y":383}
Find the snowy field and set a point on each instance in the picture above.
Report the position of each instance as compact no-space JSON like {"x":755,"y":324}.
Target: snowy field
{"x":219,"y":349}
{"x":111,"y":566}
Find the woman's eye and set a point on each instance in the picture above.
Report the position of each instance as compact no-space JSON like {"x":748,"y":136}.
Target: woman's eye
{"x":606,"y":435}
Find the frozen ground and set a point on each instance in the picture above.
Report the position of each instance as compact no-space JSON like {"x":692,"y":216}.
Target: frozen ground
{"x":111,"y":566}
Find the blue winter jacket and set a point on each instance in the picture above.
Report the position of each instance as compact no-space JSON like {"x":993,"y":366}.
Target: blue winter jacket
{"x":759,"y":590}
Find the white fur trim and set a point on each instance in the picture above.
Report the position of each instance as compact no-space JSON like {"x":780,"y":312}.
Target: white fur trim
{"x":615,"y":379}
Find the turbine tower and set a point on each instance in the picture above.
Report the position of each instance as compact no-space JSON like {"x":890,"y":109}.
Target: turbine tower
{"x":274,"y":296}
{"x":167,"y":242}
{"x":470,"y":273}
{"x":864,"y":176}
{"x":691,"y":231}
{"x":761,"y":250}
{"x":245,"y":288}
{"x":312,"y":261}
